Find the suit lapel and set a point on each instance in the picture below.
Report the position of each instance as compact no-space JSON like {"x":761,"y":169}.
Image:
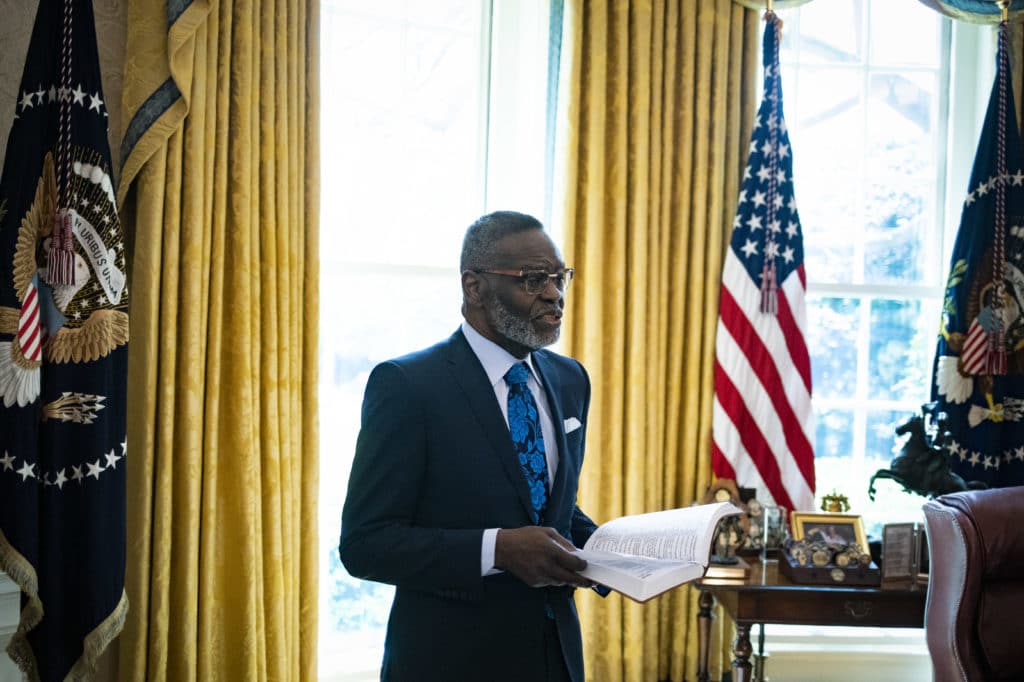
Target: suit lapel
{"x":553,"y":390}
{"x":472,"y":378}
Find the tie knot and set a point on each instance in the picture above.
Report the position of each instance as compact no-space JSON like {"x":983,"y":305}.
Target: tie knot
{"x":517,"y":374}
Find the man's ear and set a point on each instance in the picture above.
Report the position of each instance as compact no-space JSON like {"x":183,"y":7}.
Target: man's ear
{"x":472,"y":288}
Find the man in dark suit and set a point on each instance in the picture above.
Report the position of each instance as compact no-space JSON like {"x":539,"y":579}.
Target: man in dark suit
{"x":463,"y":488}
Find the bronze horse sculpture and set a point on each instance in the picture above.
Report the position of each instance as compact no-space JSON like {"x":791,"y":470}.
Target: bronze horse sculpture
{"x":922,"y":465}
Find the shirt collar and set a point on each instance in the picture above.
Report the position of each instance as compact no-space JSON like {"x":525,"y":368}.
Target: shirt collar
{"x":495,"y":359}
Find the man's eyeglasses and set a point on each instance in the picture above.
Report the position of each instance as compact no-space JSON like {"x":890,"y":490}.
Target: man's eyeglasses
{"x":536,"y":281}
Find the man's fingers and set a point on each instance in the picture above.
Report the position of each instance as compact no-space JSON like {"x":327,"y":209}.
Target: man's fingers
{"x":561,"y":576}
{"x":539,"y":556}
{"x":568,"y":559}
{"x":560,"y":539}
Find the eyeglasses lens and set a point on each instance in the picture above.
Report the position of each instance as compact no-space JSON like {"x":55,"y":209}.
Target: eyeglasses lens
{"x":536,"y":282}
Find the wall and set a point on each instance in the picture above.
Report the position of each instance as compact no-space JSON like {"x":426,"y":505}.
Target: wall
{"x":15,"y":32}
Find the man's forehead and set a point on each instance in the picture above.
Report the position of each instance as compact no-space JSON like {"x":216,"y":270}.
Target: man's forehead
{"x":528,"y":248}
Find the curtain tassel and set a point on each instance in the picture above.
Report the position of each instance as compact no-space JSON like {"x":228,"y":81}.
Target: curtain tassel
{"x":60,"y":261}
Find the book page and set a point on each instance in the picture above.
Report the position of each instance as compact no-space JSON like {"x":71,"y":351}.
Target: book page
{"x":636,"y":566}
{"x":639,"y":578}
{"x":682,"y":534}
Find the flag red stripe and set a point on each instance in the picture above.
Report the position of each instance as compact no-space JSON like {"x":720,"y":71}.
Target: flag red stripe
{"x":30,"y":298}
{"x":719,"y":464}
{"x":751,"y":437}
{"x":793,"y":335}
{"x":26,"y":343}
{"x":29,"y":325}
{"x":761,"y":361}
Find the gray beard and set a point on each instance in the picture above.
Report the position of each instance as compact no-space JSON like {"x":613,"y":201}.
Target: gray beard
{"x":515,"y":328}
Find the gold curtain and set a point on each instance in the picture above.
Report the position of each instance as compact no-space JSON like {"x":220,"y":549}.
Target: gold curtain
{"x":661,"y":103}
{"x":220,"y":167}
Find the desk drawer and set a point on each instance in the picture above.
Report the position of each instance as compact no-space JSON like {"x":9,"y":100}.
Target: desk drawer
{"x":839,"y":607}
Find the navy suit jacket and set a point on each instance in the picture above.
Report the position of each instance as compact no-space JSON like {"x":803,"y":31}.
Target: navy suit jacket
{"x":434,"y":467}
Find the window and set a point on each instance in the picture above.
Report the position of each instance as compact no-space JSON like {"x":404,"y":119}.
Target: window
{"x":869,"y":92}
{"x":884,"y":101}
{"x":432,"y":114}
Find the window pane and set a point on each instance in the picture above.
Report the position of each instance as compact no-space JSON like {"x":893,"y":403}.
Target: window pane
{"x":833,"y":440}
{"x":827,"y":139}
{"x":398,"y":312}
{"x":901,"y":349}
{"x":891,"y":503}
{"x":832,"y":325}
{"x":900,"y":199}
{"x":390,"y":313}
{"x":820,"y":42}
{"x":401,"y":164}
{"x":880,"y":445}
{"x":905,"y":33}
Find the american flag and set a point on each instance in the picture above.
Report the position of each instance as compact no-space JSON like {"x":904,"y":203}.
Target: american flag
{"x":762,"y":411}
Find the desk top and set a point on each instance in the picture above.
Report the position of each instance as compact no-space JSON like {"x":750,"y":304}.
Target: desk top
{"x":765,"y":576}
{"x":767,"y":596}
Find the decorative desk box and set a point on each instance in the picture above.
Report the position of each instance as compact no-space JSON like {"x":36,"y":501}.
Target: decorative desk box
{"x":829,"y":574}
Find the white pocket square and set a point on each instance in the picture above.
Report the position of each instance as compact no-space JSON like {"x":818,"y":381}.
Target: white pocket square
{"x":571,"y":424}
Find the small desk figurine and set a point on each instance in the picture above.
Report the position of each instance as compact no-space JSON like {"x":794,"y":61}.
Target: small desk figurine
{"x":729,"y":537}
{"x":834,"y":502}
{"x":731,"y":533}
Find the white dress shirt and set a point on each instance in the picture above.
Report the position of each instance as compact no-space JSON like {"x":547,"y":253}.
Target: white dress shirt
{"x":496,"y":362}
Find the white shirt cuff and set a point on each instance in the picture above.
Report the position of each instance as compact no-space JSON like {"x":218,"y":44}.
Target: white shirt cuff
{"x":487,"y":544}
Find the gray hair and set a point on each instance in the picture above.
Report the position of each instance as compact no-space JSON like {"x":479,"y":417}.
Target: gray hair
{"x":488,"y":230}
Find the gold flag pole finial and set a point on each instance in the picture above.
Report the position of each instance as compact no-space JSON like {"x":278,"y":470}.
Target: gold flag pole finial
{"x":1004,"y":7}
{"x":769,"y":7}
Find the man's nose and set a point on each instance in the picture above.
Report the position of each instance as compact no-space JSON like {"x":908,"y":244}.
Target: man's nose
{"x":551,"y":291}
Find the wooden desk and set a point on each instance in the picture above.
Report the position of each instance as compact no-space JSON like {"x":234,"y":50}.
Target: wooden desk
{"x":767,"y":596}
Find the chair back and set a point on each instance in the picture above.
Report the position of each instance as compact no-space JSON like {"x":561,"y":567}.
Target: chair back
{"x":975,"y":606}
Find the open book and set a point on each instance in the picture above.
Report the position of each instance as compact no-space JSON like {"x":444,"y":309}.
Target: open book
{"x":644,"y":555}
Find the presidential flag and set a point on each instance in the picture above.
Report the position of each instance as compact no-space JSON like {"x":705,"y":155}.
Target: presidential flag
{"x":978,"y":374}
{"x":761,"y":432}
{"x":63,"y":352}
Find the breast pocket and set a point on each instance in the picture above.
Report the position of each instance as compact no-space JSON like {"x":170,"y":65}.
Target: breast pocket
{"x":574,"y":430}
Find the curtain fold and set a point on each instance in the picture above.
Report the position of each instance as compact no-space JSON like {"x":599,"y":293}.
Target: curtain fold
{"x":222,"y":186}
{"x":661,"y":102}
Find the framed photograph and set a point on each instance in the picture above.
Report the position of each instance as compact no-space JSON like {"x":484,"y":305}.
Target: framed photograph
{"x":899,"y":550}
{"x":829,"y":528}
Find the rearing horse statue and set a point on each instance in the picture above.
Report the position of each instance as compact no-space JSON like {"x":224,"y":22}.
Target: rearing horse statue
{"x":922,"y":465}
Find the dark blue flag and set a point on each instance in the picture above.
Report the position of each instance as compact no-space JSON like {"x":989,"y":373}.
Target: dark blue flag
{"x":978,"y":375}
{"x":63,"y":354}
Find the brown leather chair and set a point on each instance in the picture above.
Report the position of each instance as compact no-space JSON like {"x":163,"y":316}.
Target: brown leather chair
{"x":974,"y":618}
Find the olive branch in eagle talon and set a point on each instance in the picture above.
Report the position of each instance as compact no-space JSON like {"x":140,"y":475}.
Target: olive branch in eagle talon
{"x":955,"y":277}
{"x":80,"y":408}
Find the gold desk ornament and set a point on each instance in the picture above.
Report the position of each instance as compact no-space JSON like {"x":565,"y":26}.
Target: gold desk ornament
{"x":834,"y":502}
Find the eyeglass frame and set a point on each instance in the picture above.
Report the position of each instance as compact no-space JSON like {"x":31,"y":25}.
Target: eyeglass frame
{"x":524,"y":273}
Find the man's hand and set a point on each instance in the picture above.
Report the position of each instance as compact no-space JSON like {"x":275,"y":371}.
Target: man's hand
{"x":539,"y":557}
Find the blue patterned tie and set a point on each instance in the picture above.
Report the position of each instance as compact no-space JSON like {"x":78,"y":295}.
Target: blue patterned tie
{"x":527,"y":439}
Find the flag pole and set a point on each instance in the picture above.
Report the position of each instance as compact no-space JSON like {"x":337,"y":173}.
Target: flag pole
{"x":1004,"y":7}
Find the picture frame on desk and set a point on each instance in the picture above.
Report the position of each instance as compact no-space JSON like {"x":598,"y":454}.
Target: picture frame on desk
{"x":829,"y":528}
{"x":899,"y":552}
